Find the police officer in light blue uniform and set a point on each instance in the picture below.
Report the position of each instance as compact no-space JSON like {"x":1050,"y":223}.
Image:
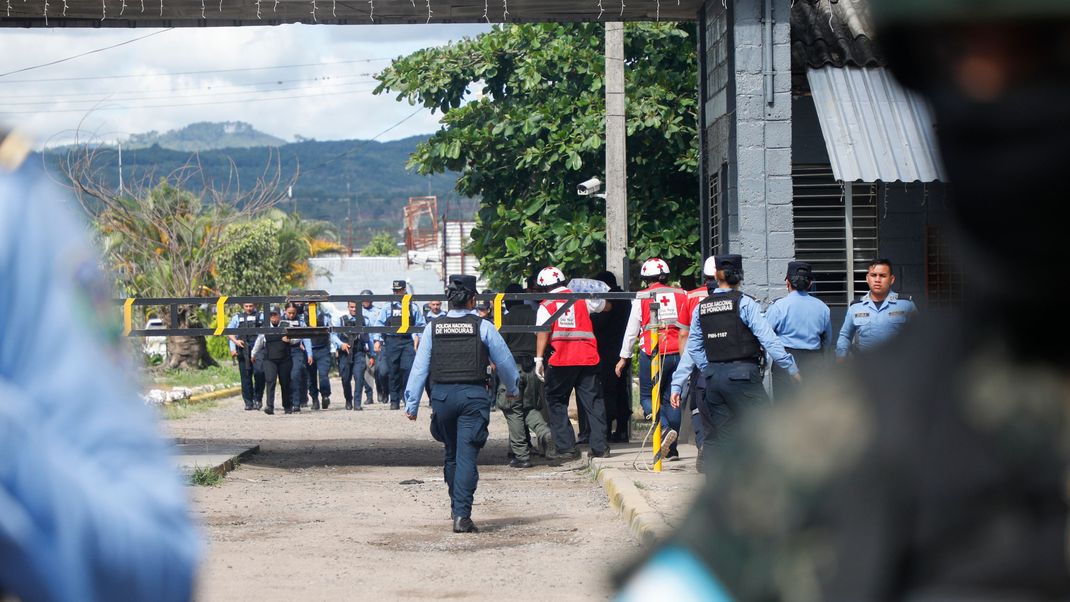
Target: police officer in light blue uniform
{"x":352,"y":349}
{"x":241,"y":348}
{"x":455,"y":353}
{"x":301,"y":358}
{"x":319,"y":371}
{"x":726,"y":341}
{"x":877,"y":316}
{"x":376,"y":371}
{"x":91,"y":506}
{"x":400,"y":349}
{"x":803,"y":324}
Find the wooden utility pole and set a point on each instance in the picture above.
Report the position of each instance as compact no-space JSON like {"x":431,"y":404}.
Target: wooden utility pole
{"x":616,"y":157}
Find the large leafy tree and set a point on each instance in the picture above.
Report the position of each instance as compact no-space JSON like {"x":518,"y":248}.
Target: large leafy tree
{"x":524,"y":121}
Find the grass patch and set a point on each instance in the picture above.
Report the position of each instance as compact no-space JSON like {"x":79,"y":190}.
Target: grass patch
{"x":205,"y":477}
{"x":214,"y":375}
{"x":177,"y":410}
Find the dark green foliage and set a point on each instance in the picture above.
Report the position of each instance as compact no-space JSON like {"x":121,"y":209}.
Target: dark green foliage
{"x":537,"y":129}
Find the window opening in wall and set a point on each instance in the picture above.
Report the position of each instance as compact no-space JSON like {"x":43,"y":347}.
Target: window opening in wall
{"x":943,"y":277}
{"x":835,"y":225}
{"x":715,"y":212}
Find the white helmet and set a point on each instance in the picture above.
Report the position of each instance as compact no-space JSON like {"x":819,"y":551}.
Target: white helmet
{"x":653,"y":267}
{"x":709,"y":269}
{"x":550,"y":276}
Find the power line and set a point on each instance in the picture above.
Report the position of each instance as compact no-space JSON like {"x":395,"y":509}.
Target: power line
{"x":366,"y":142}
{"x":80,"y":55}
{"x":99,"y":99}
{"x":187,"y":104}
{"x":138,"y":91}
{"x":145,"y":75}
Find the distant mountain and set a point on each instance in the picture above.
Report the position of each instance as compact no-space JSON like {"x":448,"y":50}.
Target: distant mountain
{"x":205,"y":136}
{"x":364,"y":179}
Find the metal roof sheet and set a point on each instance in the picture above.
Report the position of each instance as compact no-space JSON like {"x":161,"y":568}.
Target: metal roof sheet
{"x":873,"y":128}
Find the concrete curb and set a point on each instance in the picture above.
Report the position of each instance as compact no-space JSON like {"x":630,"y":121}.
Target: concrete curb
{"x":645,"y":523}
{"x":213,"y":395}
{"x":232,"y":463}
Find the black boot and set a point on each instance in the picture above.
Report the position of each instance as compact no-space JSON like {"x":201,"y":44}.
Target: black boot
{"x":463,"y":524}
{"x":326,"y":402}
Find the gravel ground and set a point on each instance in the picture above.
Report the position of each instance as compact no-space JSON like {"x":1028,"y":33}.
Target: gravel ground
{"x":345,"y":505}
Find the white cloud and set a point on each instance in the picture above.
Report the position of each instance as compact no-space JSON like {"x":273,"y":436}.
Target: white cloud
{"x":333,"y":101}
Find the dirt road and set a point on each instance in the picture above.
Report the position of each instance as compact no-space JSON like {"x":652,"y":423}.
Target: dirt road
{"x":345,"y":505}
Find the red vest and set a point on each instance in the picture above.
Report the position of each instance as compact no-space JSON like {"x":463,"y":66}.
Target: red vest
{"x":572,"y":335}
{"x":672,"y":301}
{"x":694,"y":296}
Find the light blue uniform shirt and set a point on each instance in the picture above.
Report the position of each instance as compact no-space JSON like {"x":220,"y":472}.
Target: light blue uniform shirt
{"x":499,"y":354}
{"x":416,"y":317}
{"x":801,"y":321}
{"x":91,"y":505}
{"x":371,"y":314}
{"x":336,"y":340}
{"x":751,"y":314}
{"x":234,"y":322}
{"x":873,"y":324}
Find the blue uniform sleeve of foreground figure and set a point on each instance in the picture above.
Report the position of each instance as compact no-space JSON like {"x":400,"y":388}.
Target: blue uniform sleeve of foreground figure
{"x":418,"y":375}
{"x":694,"y":355}
{"x":91,"y":505}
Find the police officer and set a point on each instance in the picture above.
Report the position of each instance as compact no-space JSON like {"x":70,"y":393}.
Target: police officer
{"x":271,"y":352}
{"x":300,"y":357}
{"x":434,"y":310}
{"x":877,"y":316}
{"x":457,"y":350}
{"x":701,"y":419}
{"x":352,"y":355}
{"x":573,"y":366}
{"x":522,"y":415}
{"x":726,"y":342}
{"x":400,"y":348}
{"x":671,"y":301}
{"x":375,"y":373}
{"x":803,"y":324}
{"x":241,"y":347}
{"x":320,"y":388}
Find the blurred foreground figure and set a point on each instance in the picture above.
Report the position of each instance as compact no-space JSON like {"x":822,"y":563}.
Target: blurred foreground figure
{"x":91,"y":507}
{"x":935,"y":468}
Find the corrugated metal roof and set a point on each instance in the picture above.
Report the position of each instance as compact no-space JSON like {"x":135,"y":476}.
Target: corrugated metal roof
{"x":350,"y":275}
{"x":833,"y":32}
{"x":873,"y":128}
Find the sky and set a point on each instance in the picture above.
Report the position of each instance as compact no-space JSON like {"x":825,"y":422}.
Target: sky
{"x":151,"y":84}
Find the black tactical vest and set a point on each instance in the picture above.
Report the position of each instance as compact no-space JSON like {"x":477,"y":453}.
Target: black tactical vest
{"x":277,"y":349}
{"x":358,"y":341}
{"x":247,"y":321}
{"x":724,"y":334}
{"x":394,"y":319}
{"x":323,"y":339}
{"x":458,"y":355}
{"x":521,"y":344}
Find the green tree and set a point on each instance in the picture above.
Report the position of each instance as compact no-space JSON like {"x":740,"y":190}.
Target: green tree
{"x":383,"y":244}
{"x":248,"y":263}
{"x":536,"y":129}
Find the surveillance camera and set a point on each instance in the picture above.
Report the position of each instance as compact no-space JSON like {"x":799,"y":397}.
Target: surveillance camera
{"x":589,"y":187}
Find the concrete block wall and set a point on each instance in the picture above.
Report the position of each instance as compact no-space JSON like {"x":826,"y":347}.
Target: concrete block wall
{"x":764,"y":235}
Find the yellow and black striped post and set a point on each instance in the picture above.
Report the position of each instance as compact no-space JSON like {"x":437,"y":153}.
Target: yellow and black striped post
{"x":655,"y":391}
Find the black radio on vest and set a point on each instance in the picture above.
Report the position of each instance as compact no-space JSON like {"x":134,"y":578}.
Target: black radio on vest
{"x":458,"y":354}
{"x":726,"y":337}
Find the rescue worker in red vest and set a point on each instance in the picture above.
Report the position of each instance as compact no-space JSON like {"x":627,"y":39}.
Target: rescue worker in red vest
{"x":696,"y":389}
{"x":573,"y":365}
{"x":671,"y":301}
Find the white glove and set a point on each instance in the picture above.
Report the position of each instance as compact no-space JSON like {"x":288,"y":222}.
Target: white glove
{"x":540,"y":370}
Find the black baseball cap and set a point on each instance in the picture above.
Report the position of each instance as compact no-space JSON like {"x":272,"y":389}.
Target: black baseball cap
{"x":730,"y":261}
{"x":398,"y":285}
{"x":464,"y":281}
{"x":795,"y":266}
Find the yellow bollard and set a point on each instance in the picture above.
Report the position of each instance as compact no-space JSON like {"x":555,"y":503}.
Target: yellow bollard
{"x":655,"y":393}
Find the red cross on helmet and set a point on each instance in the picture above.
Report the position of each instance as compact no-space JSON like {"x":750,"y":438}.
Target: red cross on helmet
{"x":550,"y":276}
{"x":653,"y":268}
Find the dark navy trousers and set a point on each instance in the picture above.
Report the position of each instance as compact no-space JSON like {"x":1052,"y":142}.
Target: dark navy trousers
{"x":321,"y":366}
{"x":462,"y":415}
{"x":298,"y":376}
{"x":732,"y":389}
{"x":252,"y":378}
{"x":400,"y":353}
{"x":351,"y":366}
